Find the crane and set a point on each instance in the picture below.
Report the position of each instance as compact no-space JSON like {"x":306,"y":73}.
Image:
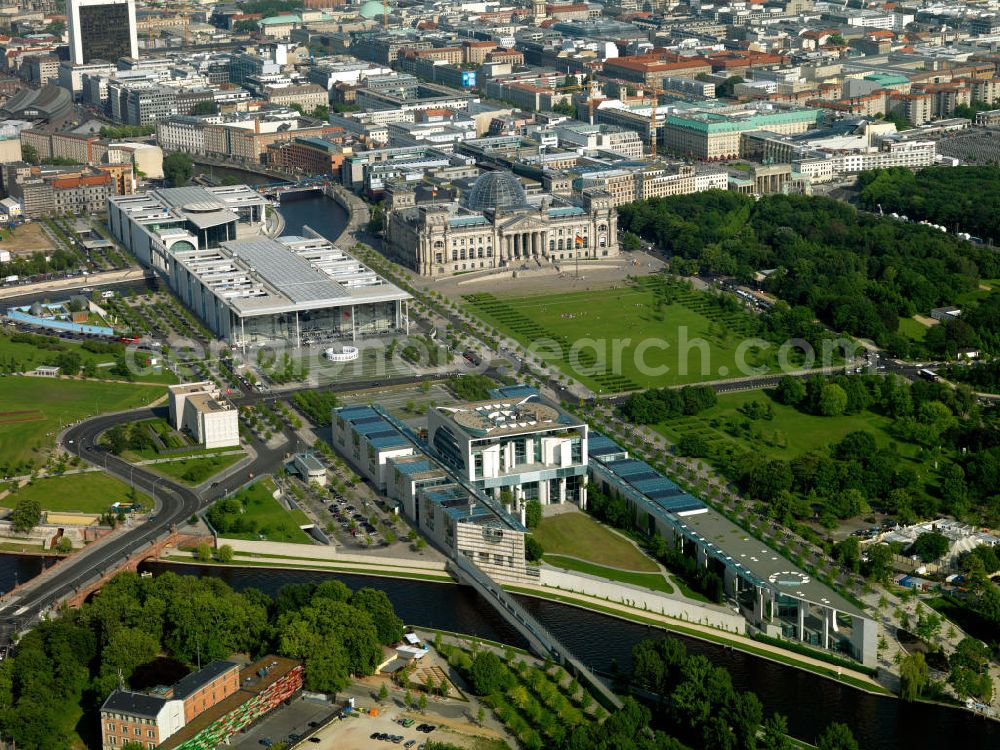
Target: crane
{"x":590,"y":96}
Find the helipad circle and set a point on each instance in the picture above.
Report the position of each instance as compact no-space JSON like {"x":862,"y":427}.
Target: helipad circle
{"x":789,"y":578}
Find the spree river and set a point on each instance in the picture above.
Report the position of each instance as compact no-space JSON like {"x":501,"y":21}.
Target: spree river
{"x":319,"y":212}
{"x":810,"y":702}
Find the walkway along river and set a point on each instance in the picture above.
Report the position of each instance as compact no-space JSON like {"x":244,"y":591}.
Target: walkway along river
{"x":810,"y":702}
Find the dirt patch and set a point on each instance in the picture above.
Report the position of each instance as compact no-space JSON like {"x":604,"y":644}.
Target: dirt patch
{"x":22,"y":416}
{"x":925,"y":321}
{"x":25,"y":239}
{"x":602,"y":274}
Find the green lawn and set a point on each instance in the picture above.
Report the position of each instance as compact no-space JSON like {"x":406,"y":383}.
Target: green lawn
{"x":33,"y":410}
{"x":579,"y":535}
{"x":274,"y":523}
{"x":912,"y":329}
{"x":790,"y":433}
{"x":653,"y":581}
{"x":650,"y":332}
{"x":194,"y":471}
{"x":22,"y":356}
{"x":90,"y":492}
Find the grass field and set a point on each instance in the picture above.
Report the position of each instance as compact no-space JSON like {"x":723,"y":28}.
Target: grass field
{"x":912,"y":329}
{"x":652,"y":581}
{"x":194,"y":471}
{"x":579,"y":535}
{"x":91,"y":492}
{"x":25,"y":356}
{"x":275,"y":523}
{"x":790,"y":433}
{"x":650,"y":332}
{"x":33,"y":410}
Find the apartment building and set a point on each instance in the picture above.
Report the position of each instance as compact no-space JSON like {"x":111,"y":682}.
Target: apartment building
{"x":309,"y":155}
{"x":63,"y":193}
{"x":149,"y":719}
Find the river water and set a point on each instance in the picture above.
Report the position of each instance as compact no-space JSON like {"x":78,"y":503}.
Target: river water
{"x":322,"y":214}
{"x":810,"y":702}
{"x":18,"y":569}
{"x":313,"y":210}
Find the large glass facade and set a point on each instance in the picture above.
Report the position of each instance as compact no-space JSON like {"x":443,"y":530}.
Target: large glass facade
{"x":104,"y":32}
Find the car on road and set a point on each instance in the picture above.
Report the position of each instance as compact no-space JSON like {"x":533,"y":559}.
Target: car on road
{"x":266,"y":741}
{"x":409,"y":743}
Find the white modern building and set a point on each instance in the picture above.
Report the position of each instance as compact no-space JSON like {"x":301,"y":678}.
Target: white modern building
{"x":101,"y":30}
{"x":195,"y":409}
{"x":514,"y":448}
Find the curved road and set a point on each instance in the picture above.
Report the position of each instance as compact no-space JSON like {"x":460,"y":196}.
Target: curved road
{"x":174,"y":504}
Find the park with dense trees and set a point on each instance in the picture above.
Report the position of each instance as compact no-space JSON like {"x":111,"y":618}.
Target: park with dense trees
{"x":856,"y":272}
{"x":954,"y":197}
{"x":142,"y":630}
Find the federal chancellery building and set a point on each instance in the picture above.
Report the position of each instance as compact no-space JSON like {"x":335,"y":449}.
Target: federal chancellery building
{"x":496,"y":226}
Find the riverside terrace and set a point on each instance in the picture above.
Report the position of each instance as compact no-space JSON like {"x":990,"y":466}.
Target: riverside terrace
{"x":775,"y":596}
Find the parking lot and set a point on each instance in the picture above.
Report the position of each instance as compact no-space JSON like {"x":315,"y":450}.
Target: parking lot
{"x":283,"y":723}
{"x":363,"y":732}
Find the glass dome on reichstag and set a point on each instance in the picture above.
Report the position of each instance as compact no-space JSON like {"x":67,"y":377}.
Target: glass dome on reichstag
{"x":496,"y":190}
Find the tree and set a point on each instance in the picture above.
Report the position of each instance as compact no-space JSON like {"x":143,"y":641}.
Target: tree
{"x":245,"y":26}
{"x":335,"y":639}
{"x":27,"y":514}
{"x":225,"y":554}
{"x":832,"y":400}
{"x":383,"y":693}
{"x":744,"y":715}
{"x":29,"y":153}
{"x":481,"y":716}
{"x":790,"y":391}
{"x":422,"y":702}
{"x":913,"y":675}
{"x":376,"y":222}
{"x":203,"y":552}
{"x":631,"y":243}
{"x":693,"y":445}
{"x":879,"y":563}
{"x":564,"y":107}
{"x":64,"y":545}
{"x":488,"y":674}
{"x":969,"y":673}
{"x":533,"y":514}
{"x":774,"y":734}
{"x":178,"y":168}
{"x":533,"y":550}
{"x":837,"y":736}
{"x":930,"y":546}
{"x":204,"y":108}
{"x":388,"y":625}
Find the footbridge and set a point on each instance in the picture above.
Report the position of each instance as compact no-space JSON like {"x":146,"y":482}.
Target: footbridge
{"x":541,"y":641}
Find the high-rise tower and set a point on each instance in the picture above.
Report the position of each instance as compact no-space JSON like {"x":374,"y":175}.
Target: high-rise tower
{"x":101,"y":30}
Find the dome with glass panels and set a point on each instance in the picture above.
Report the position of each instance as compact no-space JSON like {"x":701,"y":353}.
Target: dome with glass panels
{"x":496,"y":191}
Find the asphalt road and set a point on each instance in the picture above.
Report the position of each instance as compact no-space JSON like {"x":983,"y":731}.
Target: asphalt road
{"x":174,"y":504}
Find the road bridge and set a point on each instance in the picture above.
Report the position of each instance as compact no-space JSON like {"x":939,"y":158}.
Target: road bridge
{"x":82,"y":572}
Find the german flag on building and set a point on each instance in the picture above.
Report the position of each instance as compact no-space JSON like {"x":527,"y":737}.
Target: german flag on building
{"x":579,"y":241}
